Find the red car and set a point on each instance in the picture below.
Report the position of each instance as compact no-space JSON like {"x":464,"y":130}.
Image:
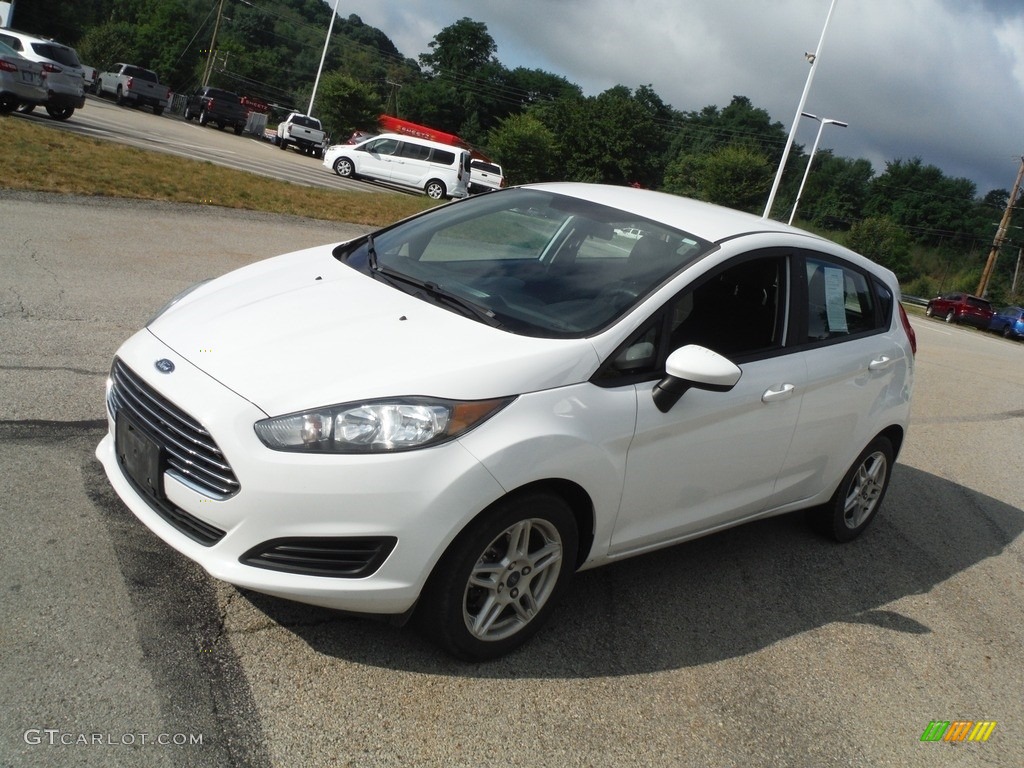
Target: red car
{"x":961,"y":308}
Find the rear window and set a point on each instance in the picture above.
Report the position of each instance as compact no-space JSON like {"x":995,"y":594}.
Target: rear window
{"x":479,"y":165}
{"x":142,"y":74}
{"x":979,"y":303}
{"x":217,"y":93}
{"x":58,"y":53}
{"x":308,"y":122}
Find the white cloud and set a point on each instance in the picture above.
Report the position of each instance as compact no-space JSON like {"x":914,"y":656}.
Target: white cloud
{"x":939,"y":79}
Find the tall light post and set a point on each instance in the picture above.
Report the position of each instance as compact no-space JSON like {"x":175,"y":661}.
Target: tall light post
{"x":822,"y":122}
{"x":323,"y":56}
{"x":813,"y":58}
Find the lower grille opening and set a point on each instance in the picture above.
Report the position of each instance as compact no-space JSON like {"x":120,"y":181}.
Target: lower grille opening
{"x":338,"y":557}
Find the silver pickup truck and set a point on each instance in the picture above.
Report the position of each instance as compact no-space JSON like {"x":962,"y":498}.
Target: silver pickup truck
{"x":304,"y":132}
{"x":134,"y":86}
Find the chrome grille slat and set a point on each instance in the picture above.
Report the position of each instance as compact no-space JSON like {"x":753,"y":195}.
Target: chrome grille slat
{"x":190,"y":449}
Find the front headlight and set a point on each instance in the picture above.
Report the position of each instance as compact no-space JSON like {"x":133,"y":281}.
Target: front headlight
{"x":399,"y":424}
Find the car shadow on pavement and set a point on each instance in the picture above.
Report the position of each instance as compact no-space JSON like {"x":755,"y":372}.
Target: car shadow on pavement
{"x":715,"y":598}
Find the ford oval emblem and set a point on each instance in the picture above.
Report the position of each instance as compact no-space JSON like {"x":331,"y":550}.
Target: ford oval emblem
{"x":164,"y":365}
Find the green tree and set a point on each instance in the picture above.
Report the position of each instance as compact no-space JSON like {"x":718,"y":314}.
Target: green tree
{"x":736,"y":176}
{"x":525,"y":147}
{"x":460,"y":49}
{"x":345,"y":105}
{"x":884,"y":241}
{"x":836,"y":191}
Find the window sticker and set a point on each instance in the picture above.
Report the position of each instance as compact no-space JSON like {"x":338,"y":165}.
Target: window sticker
{"x":835,"y":300}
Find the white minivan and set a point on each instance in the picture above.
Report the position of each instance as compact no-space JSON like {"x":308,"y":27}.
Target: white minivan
{"x":440,"y":170}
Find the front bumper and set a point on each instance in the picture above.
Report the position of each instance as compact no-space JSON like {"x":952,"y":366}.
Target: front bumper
{"x":415,"y":501}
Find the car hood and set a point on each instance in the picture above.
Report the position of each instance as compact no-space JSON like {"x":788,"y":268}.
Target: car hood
{"x":303,"y":331}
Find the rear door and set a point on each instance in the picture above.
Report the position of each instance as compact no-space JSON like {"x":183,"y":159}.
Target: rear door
{"x":409,"y":164}
{"x":857,"y":373}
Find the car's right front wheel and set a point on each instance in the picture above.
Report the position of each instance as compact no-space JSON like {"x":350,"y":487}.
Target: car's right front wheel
{"x":501,"y":578}
{"x":856,"y":501}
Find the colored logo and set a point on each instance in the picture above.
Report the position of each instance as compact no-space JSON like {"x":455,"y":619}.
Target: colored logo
{"x":164,"y":365}
{"x":958,"y":730}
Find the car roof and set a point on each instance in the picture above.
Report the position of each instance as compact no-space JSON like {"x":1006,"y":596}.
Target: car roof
{"x":415,"y":139}
{"x":705,"y":220}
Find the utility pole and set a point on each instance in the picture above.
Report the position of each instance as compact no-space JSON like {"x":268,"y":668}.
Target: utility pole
{"x":997,"y":242}
{"x":213,"y":45}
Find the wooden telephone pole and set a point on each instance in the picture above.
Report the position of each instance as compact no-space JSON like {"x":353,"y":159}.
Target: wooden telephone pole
{"x":997,"y":242}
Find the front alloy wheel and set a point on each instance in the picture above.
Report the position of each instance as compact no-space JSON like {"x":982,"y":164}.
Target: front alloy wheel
{"x":343,"y":167}
{"x":858,"y":497}
{"x":501,"y":578}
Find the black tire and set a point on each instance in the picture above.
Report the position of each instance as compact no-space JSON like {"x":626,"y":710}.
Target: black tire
{"x":282,"y":143}
{"x":435,"y":189}
{"x":158,"y":111}
{"x":220,"y":126}
{"x":344,"y":168}
{"x":856,"y":501}
{"x":188,"y":114}
{"x":120,"y":97}
{"x":26,"y":108}
{"x":501,"y":578}
{"x":203,"y":118}
{"x":60,"y":113}
{"x":7,"y":104}
{"x":951,"y":317}
{"x":929,"y":311}
{"x":1007,"y":332}
{"x":239,"y":129}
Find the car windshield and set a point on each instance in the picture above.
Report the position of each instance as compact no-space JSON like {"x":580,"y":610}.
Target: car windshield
{"x":533,"y":262}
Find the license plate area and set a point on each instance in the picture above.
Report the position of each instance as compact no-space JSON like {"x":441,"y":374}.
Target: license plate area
{"x":140,"y":456}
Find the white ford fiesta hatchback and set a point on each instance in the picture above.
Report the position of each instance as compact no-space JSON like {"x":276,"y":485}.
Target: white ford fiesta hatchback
{"x":449,"y":417}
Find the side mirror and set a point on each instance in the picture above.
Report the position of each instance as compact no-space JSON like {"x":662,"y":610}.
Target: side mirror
{"x":693,"y":366}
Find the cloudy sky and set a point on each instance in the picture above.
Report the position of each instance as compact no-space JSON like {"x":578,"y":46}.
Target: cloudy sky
{"x":942,"y":80}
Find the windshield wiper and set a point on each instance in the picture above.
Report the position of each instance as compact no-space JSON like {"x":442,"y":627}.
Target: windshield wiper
{"x":371,"y":253}
{"x":432,"y":291}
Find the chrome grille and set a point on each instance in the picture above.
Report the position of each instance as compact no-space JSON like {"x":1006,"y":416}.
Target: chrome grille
{"x":193,"y":456}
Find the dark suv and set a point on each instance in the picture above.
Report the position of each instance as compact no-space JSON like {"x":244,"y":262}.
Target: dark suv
{"x":961,"y":308}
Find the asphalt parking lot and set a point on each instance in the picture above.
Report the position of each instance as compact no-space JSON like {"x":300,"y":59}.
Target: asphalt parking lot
{"x":764,"y":645}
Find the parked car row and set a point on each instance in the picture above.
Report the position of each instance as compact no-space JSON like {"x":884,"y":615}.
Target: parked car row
{"x":963,"y":308}
{"x":60,"y":87}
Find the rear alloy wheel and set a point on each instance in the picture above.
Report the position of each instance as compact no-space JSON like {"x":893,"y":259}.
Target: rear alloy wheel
{"x":203,"y":118}
{"x":854,"y":504}
{"x":951,"y":316}
{"x":343,"y":167}
{"x":26,"y":108}
{"x":7,"y":104}
{"x":435,"y":190}
{"x":501,"y":578}
{"x":1007,"y":332}
{"x":60,"y":113}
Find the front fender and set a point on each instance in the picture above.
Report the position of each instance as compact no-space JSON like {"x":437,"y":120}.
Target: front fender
{"x":579,"y":433}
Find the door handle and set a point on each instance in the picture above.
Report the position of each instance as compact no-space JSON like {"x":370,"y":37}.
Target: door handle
{"x":880,"y":364}
{"x":782,"y":393}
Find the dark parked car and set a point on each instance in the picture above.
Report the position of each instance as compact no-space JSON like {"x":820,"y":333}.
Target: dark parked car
{"x":1008,"y":321}
{"x":961,"y":308}
{"x":222,"y":108}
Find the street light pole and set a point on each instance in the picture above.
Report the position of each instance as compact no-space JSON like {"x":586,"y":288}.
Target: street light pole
{"x":813,"y":59}
{"x":822,"y":122}
{"x":323,"y":56}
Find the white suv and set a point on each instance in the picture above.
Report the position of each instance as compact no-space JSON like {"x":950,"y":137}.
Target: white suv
{"x":63,"y":72}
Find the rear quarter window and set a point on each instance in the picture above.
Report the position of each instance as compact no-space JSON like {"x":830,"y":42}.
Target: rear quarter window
{"x":842,"y":301}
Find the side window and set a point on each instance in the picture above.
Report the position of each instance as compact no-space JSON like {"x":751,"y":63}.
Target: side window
{"x":738,"y":312}
{"x":442,"y":156}
{"x":383,"y":147}
{"x":840,"y":301}
{"x":414,"y":151}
